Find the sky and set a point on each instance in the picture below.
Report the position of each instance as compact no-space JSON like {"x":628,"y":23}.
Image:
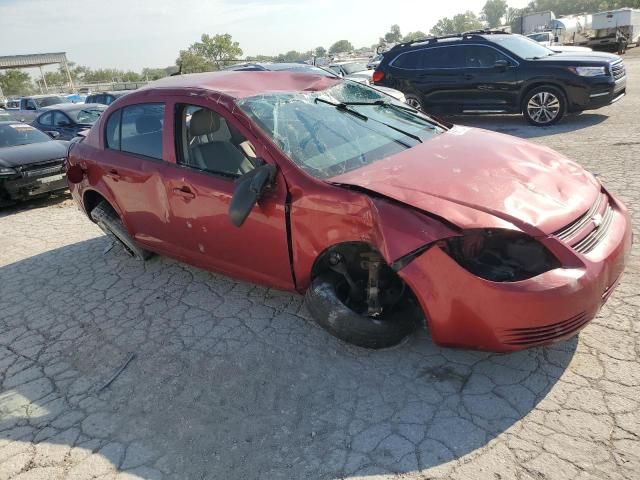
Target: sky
{"x":132,"y":34}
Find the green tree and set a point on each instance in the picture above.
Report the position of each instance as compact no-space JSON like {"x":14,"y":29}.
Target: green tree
{"x":219,"y":50}
{"x":392,"y":36}
{"x":154,"y":73}
{"x":15,"y":82}
{"x":341,"y":46}
{"x":293,"y":56}
{"x":411,"y":36}
{"x":320,"y":52}
{"x":190,"y":61}
{"x":463,"y":22}
{"x":493,"y":11}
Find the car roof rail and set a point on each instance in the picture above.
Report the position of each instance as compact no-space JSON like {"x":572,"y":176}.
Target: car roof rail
{"x":435,"y":39}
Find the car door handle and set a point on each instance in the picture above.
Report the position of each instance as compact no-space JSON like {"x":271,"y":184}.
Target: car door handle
{"x":469,"y":76}
{"x":184,"y":192}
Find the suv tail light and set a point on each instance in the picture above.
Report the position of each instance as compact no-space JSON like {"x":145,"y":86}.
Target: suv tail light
{"x":378,"y":75}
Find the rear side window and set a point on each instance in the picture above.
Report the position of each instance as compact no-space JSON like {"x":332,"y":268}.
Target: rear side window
{"x":137,"y":129}
{"x":46,"y":119}
{"x":431,"y":58}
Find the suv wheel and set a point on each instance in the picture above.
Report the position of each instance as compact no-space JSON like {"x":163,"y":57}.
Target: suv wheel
{"x":544,"y":106}
{"x":413,"y":101}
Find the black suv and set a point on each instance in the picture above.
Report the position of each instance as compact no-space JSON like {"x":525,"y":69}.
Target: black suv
{"x":497,"y":72}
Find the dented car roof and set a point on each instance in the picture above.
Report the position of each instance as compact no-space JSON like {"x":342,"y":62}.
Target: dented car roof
{"x":242,"y":84}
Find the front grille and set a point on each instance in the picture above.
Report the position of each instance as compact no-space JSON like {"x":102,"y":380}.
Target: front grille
{"x":531,"y":336}
{"x":586,"y":232}
{"x":617,"y":70}
{"x":50,"y":167}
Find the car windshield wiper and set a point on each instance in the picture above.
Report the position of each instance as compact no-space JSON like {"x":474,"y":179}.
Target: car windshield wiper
{"x":344,"y":106}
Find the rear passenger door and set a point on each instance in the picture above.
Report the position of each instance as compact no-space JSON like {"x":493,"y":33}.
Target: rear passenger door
{"x":489,"y":80}
{"x":435,"y":73}
{"x":133,"y":166}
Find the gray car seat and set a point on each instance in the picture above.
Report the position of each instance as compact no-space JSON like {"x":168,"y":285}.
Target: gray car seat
{"x":215,"y":156}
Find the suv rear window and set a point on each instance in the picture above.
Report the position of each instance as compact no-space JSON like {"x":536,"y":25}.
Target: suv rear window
{"x":427,"y":58}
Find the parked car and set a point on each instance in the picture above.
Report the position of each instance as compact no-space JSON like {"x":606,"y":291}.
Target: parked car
{"x":12,"y":104}
{"x":31,"y":163}
{"x":361,"y":77}
{"x":374,"y":61}
{"x":382,"y":215}
{"x":549,"y":40}
{"x":67,"y":120}
{"x":105,"y":98}
{"x":497,"y":72}
{"x":31,"y":106}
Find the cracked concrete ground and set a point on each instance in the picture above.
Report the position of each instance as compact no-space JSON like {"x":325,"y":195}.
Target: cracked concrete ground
{"x":233,"y":381}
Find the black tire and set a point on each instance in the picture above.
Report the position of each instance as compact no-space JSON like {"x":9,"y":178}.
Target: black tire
{"x":110,"y":223}
{"x":342,"y":322}
{"x":414,"y":101}
{"x":544,"y":106}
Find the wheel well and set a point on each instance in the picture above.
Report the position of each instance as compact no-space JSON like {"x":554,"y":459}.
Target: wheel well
{"x":356,"y":258}
{"x":543,"y":84}
{"x":90,"y":200}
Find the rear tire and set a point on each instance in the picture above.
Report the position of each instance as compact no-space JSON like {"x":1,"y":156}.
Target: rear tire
{"x":342,"y":322}
{"x":110,"y":223}
{"x":544,"y":106}
{"x":413,"y":101}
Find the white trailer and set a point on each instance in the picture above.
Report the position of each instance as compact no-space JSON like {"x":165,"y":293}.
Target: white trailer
{"x":535,"y":22}
{"x":615,"y":28}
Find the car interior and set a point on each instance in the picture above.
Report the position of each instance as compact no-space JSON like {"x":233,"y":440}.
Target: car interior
{"x":209,"y":143}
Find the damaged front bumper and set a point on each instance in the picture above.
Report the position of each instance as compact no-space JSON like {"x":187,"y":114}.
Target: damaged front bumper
{"x":464,"y":310}
{"x":33,"y":180}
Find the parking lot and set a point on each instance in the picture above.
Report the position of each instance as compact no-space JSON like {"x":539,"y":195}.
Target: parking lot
{"x":219,"y":379}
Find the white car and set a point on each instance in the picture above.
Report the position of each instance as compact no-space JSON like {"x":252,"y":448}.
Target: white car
{"x":358,"y":72}
{"x":548,"y":40}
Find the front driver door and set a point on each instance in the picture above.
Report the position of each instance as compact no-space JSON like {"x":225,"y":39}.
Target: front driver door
{"x":212,"y":150}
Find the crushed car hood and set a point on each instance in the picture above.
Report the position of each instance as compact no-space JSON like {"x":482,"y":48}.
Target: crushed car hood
{"x":21,"y":155}
{"x":480,"y":179}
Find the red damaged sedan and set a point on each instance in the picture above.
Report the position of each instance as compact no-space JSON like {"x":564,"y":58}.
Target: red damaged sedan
{"x":385,"y":217}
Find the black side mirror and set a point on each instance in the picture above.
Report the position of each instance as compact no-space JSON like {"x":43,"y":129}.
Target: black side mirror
{"x":501,"y":64}
{"x":249,"y":188}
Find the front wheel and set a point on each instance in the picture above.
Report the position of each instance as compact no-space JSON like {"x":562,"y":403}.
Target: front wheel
{"x":544,"y":106}
{"x":324,"y":304}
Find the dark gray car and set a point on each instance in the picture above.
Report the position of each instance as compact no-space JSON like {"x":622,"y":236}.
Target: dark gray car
{"x":65,"y":121}
{"x":31,"y":163}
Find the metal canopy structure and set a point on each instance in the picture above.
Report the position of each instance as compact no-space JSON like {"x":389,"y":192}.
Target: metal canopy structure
{"x":37,"y":60}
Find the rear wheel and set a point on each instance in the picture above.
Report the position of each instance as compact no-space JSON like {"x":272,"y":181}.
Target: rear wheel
{"x":110,"y":223}
{"x":544,"y":106}
{"x":413,"y":101}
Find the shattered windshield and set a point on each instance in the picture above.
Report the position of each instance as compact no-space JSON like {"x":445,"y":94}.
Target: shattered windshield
{"x":340,"y":129}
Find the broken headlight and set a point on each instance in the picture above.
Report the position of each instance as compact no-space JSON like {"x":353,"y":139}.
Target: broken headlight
{"x":500,"y":255}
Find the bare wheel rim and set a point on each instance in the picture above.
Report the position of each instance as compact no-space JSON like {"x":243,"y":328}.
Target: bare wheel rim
{"x":543,"y":107}
{"x":413,"y":102}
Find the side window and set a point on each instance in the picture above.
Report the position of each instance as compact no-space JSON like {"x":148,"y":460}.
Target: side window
{"x":60,"y":119}
{"x":112,"y":131}
{"x":431,"y":58}
{"x":477,"y":56}
{"x":31,"y":105}
{"x":141,"y":128}
{"x":209,"y":143}
{"x":107,"y":100}
{"x":46,"y":119}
